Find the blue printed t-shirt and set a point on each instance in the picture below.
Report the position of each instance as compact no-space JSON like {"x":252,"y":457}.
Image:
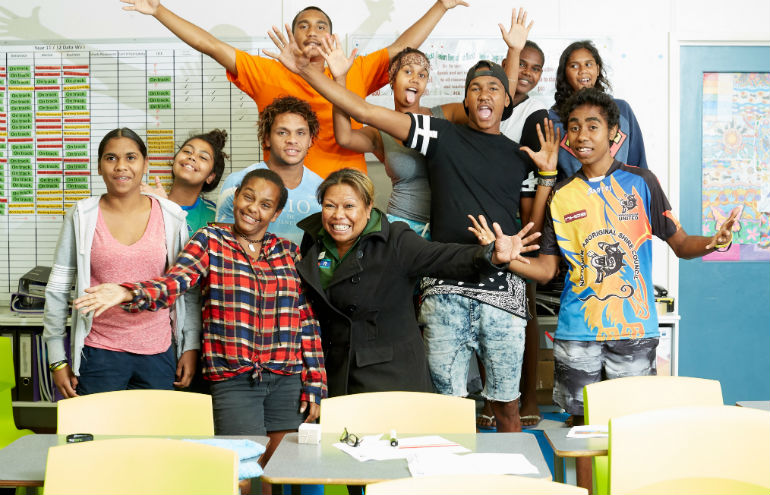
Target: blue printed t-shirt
{"x":301,"y":203}
{"x":199,"y":214}
{"x":604,"y":228}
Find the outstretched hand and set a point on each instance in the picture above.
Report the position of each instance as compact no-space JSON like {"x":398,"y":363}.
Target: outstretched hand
{"x":516,"y":36}
{"x":547,"y":158}
{"x":289,"y":53}
{"x":507,"y":248}
{"x":148,"y":7}
{"x":724,"y":235}
{"x":450,"y":4}
{"x":332,"y":52}
{"x":100,"y":298}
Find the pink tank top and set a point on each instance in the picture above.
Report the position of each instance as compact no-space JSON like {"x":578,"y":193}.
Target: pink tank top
{"x":146,"y":332}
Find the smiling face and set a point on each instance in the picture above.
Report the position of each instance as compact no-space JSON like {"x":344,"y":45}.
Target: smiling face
{"x":589,"y":136}
{"x":344,"y":215}
{"x":255,"y":205}
{"x":311,"y":26}
{"x":122,"y":166}
{"x":194,"y":163}
{"x":289,"y":140}
{"x":581,"y":70}
{"x":409,"y":84}
{"x":530,"y":70}
{"x":485,"y":101}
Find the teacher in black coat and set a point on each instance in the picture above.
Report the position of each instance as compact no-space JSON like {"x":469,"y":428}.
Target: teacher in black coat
{"x":360,"y":273}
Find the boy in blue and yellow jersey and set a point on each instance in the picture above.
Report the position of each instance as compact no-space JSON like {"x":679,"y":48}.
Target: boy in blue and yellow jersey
{"x":601,"y":220}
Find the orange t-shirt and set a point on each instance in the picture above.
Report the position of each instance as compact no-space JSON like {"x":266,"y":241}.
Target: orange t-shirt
{"x":265,"y":79}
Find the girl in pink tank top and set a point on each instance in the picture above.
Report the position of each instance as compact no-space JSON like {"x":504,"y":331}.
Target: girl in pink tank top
{"x":124,"y":238}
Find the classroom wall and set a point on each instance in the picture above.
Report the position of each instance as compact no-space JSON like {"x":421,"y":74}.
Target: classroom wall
{"x":638,"y":33}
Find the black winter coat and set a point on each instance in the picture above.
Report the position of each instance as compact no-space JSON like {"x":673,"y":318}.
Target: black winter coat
{"x":370,"y":335}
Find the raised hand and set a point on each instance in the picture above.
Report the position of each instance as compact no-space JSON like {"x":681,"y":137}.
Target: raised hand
{"x":450,"y":4}
{"x":516,"y":36}
{"x":548,"y":156}
{"x":289,"y":53}
{"x":148,"y":7}
{"x":332,"y":52}
{"x":100,"y":298}
{"x":507,"y":248}
{"x":724,"y":235}
{"x":157,"y":189}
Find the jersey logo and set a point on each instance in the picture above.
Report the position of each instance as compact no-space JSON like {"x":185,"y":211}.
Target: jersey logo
{"x":615,"y":145}
{"x":577,"y":215}
{"x":629,"y":203}
{"x":609,"y":262}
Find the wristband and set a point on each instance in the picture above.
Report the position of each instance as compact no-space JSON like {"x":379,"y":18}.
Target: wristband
{"x":721,"y":248}
{"x":57,"y":365}
{"x":547,"y":173}
{"x":541,"y":181}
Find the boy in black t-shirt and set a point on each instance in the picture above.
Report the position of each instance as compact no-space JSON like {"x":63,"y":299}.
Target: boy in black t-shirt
{"x":473,"y":170}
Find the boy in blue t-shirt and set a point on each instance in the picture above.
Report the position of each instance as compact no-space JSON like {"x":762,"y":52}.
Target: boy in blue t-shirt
{"x":287,"y":127}
{"x":601,"y":221}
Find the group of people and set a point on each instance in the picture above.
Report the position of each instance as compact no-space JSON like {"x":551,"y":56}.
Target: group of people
{"x":301,"y":288}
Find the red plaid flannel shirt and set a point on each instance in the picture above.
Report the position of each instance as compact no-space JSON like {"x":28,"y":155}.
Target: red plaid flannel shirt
{"x":255,"y":314}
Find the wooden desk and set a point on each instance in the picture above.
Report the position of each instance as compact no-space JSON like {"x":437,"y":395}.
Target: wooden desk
{"x":22,"y":463}
{"x":565,"y":450}
{"x":323,"y":464}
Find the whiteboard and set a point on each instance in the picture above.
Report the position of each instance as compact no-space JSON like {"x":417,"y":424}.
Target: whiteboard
{"x":58,"y":100}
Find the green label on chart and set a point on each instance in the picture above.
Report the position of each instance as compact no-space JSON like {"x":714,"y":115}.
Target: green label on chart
{"x":45,"y":81}
{"x":75,"y":146}
{"x":70,"y":153}
{"x":68,"y":108}
{"x":79,"y":93}
{"x":49,"y":108}
{"x":49,"y":166}
{"x":75,"y":80}
{"x":76,"y":166}
{"x":21,"y":108}
{"x":21,"y":196}
{"x":155,"y":92}
{"x":159,"y":106}
{"x":49,"y":153}
{"x":158,"y":79}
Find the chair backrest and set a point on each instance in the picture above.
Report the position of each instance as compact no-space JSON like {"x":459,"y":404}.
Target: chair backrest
{"x":8,"y":430}
{"x":140,"y":466}
{"x":405,"y":412}
{"x":471,"y":484}
{"x":696,"y":450}
{"x":621,"y":396}
{"x":137,"y":412}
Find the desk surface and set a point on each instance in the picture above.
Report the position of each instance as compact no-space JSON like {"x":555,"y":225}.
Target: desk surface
{"x":574,"y":447}
{"x":22,"y":463}
{"x":322,"y":463}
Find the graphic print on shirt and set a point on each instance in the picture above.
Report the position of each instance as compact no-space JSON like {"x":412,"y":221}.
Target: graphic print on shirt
{"x":602,"y":230}
{"x":617,"y":142}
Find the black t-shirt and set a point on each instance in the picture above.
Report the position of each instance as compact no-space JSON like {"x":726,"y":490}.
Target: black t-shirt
{"x":471,"y":173}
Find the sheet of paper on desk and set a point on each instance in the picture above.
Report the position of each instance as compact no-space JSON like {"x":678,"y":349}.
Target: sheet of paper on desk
{"x":374,"y":449}
{"x":588,"y":431}
{"x":421,"y":464}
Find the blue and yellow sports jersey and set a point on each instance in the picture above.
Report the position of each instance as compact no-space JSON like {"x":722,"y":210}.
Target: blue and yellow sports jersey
{"x":603,"y":229}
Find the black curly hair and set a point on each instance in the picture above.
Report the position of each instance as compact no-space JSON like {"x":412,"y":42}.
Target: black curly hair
{"x":563,"y":88}
{"x":281,"y":105}
{"x":594,"y":97}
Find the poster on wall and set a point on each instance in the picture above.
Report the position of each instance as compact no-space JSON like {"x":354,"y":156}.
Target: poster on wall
{"x":58,"y":100}
{"x":736,"y":161}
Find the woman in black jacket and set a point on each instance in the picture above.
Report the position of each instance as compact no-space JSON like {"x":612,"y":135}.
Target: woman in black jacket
{"x":360,"y":273}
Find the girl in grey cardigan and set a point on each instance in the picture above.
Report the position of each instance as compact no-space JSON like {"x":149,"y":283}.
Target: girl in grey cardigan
{"x":122,"y":355}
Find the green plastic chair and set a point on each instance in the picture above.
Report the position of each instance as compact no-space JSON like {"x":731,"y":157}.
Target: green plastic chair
{"x":634,"y":394}
{"x":8,"y":430}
